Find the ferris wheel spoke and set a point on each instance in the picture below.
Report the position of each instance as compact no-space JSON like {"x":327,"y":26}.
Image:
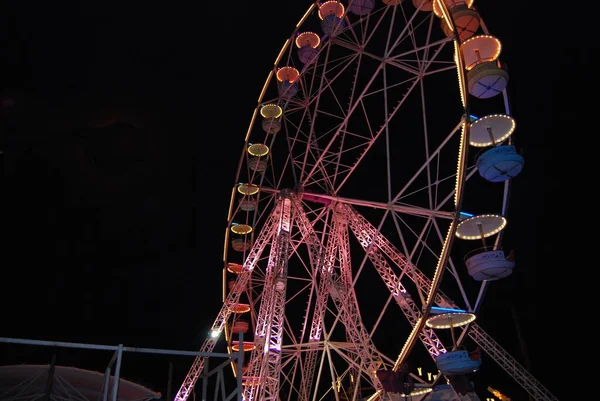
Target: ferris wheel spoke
{"x":351,"y":28}
{"x":321,"y":81}
{"x":349,"y":355}
{"x":470,"y":172}
{"x":421,"y":244}
{"x":382,"y":60}
{"x":335,"y":135}
{"x":408,"y":22}
{"x":439,"y":70}
{"x":409,"y":231}
{"x":422,"y":239}
{"x":406,"y":209}
{"x":439,"y":44}
{"x":315,"y":137}
{"x":430,"y":157}
{"x":301,"y":146}
{"x":361,"y":225}
{"x":403,"y":299}
{"x":378,"y":133}
{"x":407,"y":31}
{"x":368,"y":35}
{"x":426,"y":141}
{"x":427,"y":40}
{"x":351,"y":109}
{"x":427,"y":163}
{"x":393,"y":283}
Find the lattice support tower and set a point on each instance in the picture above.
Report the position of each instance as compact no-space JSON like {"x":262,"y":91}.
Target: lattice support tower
{"x":325,"y":268}
{"x":410,"y":309}
{"x":345,"y":299}
{"x":265,"y":361}
{"x":239,"y":286}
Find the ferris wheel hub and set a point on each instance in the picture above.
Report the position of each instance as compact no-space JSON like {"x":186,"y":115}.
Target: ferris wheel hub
{"x":451,"y":4}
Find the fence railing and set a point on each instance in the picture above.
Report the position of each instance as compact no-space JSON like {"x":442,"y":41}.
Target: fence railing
{"x":215,"y":374}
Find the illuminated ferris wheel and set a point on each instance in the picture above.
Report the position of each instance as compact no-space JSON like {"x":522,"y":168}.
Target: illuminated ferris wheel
{"x":367,"y":213}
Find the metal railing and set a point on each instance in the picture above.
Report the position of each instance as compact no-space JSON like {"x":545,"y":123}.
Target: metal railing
{"x":110,"y":393}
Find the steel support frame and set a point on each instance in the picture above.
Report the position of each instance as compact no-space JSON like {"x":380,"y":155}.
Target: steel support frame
{"x":233,"y":297}
{"x":265,"y":361}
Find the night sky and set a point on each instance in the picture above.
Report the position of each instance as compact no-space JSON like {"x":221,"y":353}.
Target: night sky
{"x":113,"y":232}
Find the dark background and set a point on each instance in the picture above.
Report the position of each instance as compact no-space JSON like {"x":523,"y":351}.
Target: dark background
{"x":113,"y":234}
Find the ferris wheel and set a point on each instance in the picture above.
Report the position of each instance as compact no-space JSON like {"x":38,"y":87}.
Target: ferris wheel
{"x":367,"y":214}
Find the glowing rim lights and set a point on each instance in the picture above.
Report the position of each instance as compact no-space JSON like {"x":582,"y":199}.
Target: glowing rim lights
{"x":305,"y":37}
{"x":239,"y":308}
{"x":284,"y":73}
{"x":499,"y":224}
{"x":271,"y":111}
{"x":332,"y":7}
{"x":248,"y":346}
{"x":467,"y":45}
{"x":241,"y":229}
{"x":234,"y":268}
{"x":258,"y":149}
{"x":417,"y":392}
{"x":448,"y":320}
{"x":248,"y":189}
{"x":491,"y":118}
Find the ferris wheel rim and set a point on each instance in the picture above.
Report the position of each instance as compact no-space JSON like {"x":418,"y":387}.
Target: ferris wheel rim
{"x":271,"y":76}
{"x":262,"y":101}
